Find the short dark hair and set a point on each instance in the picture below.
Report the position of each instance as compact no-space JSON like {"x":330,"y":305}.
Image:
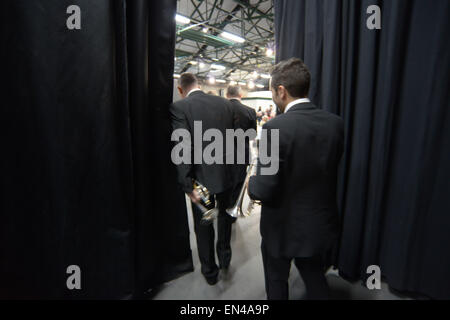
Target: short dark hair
{"x":293,"y":75}
{"x":233,"y":91}
{"x":187,"y":80}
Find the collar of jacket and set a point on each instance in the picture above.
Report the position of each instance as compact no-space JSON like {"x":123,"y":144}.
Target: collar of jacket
{"x":302,"y":106}
{"x":196,"y":93}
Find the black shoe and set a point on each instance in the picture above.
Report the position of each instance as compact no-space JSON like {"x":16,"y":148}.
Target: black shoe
{"x":212,"y":281}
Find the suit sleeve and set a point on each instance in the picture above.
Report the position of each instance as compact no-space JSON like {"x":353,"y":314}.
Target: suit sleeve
{"x":184,"y":170}
{"x":264,"y":186}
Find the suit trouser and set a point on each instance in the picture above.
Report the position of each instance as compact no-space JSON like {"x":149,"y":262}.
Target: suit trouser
{"x":205,"y":237}
{"x":276,"y":274}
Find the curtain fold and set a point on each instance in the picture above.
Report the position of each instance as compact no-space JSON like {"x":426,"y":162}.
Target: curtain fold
{"x":86,"y":176}
{"x":391,"y":88}
{"x":162,"y":231}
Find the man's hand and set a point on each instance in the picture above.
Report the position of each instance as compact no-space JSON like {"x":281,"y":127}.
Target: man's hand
{"x":195,"y":197}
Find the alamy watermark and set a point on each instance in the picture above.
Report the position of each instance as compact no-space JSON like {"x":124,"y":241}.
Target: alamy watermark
{"x":374,"y":280}
{"x":221,"y":150}
{"x":73,"y":281}
{"x":374,"y":20}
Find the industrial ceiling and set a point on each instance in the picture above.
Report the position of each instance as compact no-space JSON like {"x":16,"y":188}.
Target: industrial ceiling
{"x":226,"y":40}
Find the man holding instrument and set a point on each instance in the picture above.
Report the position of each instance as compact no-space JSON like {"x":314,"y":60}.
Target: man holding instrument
{"x":216,"y":113}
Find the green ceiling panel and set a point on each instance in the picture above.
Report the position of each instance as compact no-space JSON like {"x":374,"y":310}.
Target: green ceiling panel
{"x":201,"y":37}
{"x":181,"y":53}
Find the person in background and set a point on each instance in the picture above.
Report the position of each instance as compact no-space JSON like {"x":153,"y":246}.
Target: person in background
{"x":299,"y":216}
{"x":273,"y":112}
{"x":268,"y":112}
{"x":245,"y":119}
{"x":259,"y":115}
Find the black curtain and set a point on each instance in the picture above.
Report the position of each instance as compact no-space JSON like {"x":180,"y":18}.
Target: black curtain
{"x":391,"y":87}
{"x":85,"y":164}
{"x":163,"y":249}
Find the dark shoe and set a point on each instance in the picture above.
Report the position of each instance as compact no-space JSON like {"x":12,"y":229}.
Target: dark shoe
{"x":212,"y":281}
{"x":225,"y":274}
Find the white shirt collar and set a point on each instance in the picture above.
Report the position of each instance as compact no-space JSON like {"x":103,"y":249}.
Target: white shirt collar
{"x":193,"y":90}
{"x":293,"y":103}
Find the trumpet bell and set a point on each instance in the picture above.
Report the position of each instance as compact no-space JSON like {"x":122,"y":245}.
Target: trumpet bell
{"x":236,"y":211}
{"x":233,"y":212}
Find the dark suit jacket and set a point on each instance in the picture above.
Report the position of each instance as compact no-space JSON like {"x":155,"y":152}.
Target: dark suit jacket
{"x":299,"y":212}
{"x":214,"y":113}
{"x":245,"y":118}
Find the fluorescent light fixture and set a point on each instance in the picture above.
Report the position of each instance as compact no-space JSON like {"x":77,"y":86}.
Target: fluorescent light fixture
{"x":182,"y":20}
{"x":266,"y":76}
{"x":232,"y":37}
{"x":269,"y":52}
{"x":194,"y":63}
{"x":241,"y":83}
{"x":217,"y":67}
{"x":220,"y":81}
{"x":251,"y":85}
{"x":201,"y":65}
{"x":211,"y":80}
{"x":233,"y":83}
{"x":260,"y":86}
{"x":176,"y":76}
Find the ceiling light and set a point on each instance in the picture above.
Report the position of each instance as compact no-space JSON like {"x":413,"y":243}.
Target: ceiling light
{"x":205,"y":30}
{"x":260,"y":86}
{"x":182,"y":20}
{"x":232,"y":37}
{"x":194,"y":63}
{"x":176,"y":76}
{"x":201,"y":65}
{"x":233,"y":83}
{"x":269,"y":52}
{"x":241,"y":83}
{"x":251,"y":85}
{"x":211,"y":80}
{"x":217,"y":67}
{"x":220,"y":81}
{"x":265,"y":76}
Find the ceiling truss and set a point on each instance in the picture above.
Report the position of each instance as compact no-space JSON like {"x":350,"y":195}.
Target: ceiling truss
{"x":199,"y":44}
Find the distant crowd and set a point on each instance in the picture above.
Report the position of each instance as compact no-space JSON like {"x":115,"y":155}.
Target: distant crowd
{"x":263,"y":116}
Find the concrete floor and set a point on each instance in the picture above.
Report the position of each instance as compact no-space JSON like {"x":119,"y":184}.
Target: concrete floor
{"x":245,"y":278}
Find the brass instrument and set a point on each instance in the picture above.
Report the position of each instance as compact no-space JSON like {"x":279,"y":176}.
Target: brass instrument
{"x":236,"y":211}
{"x":209,"y":211}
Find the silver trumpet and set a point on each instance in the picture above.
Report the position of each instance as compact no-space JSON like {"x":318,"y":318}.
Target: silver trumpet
{"x":236,"y":211}
{"x":205,"y":205}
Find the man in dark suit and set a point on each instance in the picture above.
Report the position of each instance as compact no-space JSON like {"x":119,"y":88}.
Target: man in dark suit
{"x":215,"y":113}
{"x":299,"y":219}
{"x":245,"y":119}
